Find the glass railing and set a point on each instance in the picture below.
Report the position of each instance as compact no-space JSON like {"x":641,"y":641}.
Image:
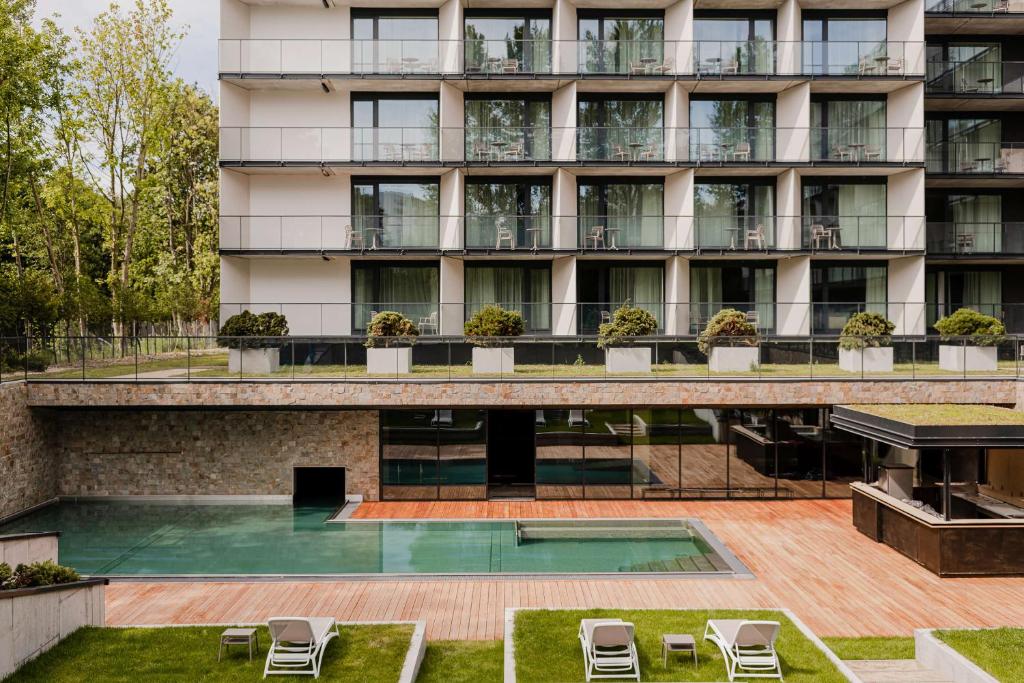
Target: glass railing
{"x":975,"y":78}
{"x":591,"y":315}
{"x":730,"y":144}
{"x":396,"y":144}
{"x":508,"y":144}
{"x":604,"y":233}
{"x":861,"y":58}
{"x":536,"y":315}
{"x":974,"y":6}
{"x":505,"y":232}
{"x":966,"y":238}
{"x":837,"y":233}
{"x":981,"y":158}
{"x":630,"y":57}
{"x":859,"y":144}
{"x":424,"y":314}
{"x":734,"y":57}
{"x":620,"y":144}
{"x":831,"y":317}
{"x":507,"y":57}
{"x":759,"y":314}
{"x":735,"y":233}
{"x":328,"y":233}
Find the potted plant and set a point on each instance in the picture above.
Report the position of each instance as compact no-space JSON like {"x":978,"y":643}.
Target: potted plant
{"x":616,"y":337}
{"x":259,"y":355}
{"x":972,"y":338}
{"x":389,"y":339}
{"x":730,"y":342}
{"x":865,"y":344}
{"x":486,"y":330}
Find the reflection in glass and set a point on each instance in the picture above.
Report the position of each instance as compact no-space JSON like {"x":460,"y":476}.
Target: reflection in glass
{"x":507,"y":45}
{"x":657,"y":436}
{"x":609,"y":461}
{"x":734,"y":46}
{"x":732,"y":129}
{"x":397,"y":215}
{"x":621,"y":129}
{"x":512,"y":129}
{"x":513,"y":215}
{"x":560,"y":463}
{"x":395,"y":128}
{"x":966,"y":68}
{"x":394,"y":44}
{"x":409,"y":467}
{"x":844,"y":214}
{"x":462,"y":464}
{"x":411,"y":290}
{"x":849,"y":46}
{"x":525,"y":288}
{"x":613,"y":215}
{"x":848,"y":130}
{"x":703,"y":452}
{"x":622,"y":45}
{"x":735,"y":215}
{"x":746,"y":287}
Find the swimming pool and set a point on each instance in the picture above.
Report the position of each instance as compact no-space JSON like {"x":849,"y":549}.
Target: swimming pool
{"x":162,"y":539}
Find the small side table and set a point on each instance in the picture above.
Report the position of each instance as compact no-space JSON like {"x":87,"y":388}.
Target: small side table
{"x":677,"y":642}
{"x":239,"y":636}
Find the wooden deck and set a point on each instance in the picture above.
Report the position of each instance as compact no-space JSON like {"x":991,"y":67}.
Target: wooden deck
{"x":805,"y":555}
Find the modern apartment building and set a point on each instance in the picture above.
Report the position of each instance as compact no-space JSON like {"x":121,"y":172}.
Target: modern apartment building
{"x":789,"y":159}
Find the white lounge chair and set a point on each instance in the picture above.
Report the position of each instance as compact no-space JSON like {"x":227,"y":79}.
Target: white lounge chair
{"x":297,"y":644}
{"x":748,"y":647}
{"x":576,"y":419}
{"x":443,"y":418}
{"x":608,"y":649}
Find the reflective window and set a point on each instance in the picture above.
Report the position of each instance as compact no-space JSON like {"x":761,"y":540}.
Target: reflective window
{"x":844,"y":214}
{"x":732,"y":129}
{"x":525,"y":288}
{"x":617,"y":44}
{"x":840,"y":289}
{"x":507,"y":44}
{"x":735,"y":215}
{"x":508,"y":129}
{"x":411,"y":289}
{"x":408,"y":467}
{"x":616,"y":214}
{"x":462,"y":465}
{"x":519,"y":210}
{"x":560,"y":463}
{"x":395,"y":215}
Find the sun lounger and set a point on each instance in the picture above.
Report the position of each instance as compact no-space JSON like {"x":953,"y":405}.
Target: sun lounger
{"x":608,"y":649}
{"x":748,"y":647}
{"x":297,"y":644}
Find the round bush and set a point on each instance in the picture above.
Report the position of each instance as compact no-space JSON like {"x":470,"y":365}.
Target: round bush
{"x":491,"y":323}
{"x":980,"y":329}
{"x":390,"y":328}
{"x":866,"y":329}
{"x":627,"y":321}
{"x":45,"y":573}
{"x":728,"y":322}
{"x":248,"y":324}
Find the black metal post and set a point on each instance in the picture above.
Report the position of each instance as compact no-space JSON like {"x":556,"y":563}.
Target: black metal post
{"x":947,"y":476}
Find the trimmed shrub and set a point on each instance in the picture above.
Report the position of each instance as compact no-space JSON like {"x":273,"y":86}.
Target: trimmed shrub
{"x":728,"y":322}
{"x":46,"y":573}
{"x":980,"y":329}
{"x":5,"y":574}
{"x":488,"y":325}
{"x":248,"y":324}
{"x":864,"y":330}
{"x":389,"y":328}
{"x":627,"y":321}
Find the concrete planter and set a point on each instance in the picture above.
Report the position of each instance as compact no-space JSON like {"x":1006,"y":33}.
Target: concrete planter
{"x":389,"y":361}
{"x":491,"y":361}
{"x":967,"y":358}
{"x":627,"y":359}
{"x":734,"y":358}
{"x":869,"y":359}
{"x":254,"y":361}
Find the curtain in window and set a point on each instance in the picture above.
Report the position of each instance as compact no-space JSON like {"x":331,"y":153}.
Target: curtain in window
{"x":640,"y":286}
{"x":856,"y":127}
{"x":502,"y":286}
{"x":635,"y":211}
{"x":876,"y":290}
{"x":977,"y":223}
{"x":862,"y":211}
{"x":412,"y":291}
{"x":538,"y":310}
{"x":705,"y":294}
{"x":973,"y":144}
{"x":976,"y":68}
{"x":764,"y":297}
{"x":409,"y":213}
{"x":983,"y":291}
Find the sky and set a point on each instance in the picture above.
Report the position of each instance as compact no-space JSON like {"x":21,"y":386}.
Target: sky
{"x":196,"y":59}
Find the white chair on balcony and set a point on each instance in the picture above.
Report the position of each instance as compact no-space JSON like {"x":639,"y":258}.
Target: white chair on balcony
{"x":819,"y":234}
{"x":894,"y":67}
{"x":505,"y":235}
{"x":1001,"y":6}
{"x":620,"y":153}
{"x":482,"y":151}
{"x":647,"y":153}
{"x":594,"y":237}
{"x":665,"y":67}
{"x":509,"y":66}
{"x":753,"y":318}
{"x":637,"y":69}
{"x":730,"y":67}
{"x":741,"y":152}
{"x":872,"y":153}
{"x":428,"y":322}
{"x":515,"y":152}
{"x":754,"y":236}
{"x":354,"y":239}
{"x":842,"y":153}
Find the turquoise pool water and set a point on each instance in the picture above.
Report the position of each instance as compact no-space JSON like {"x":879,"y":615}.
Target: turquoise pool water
{"x":140,"y":539}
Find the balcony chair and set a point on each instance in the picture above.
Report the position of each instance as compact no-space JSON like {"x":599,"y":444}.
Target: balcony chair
{"x":708,"y":153}
{"x":664,"y":68}
{"x":1001,"y":6}
{"x":391,"y":152}
{"x":842,"y":153}
{"x":753,"y":318}
{"x":619,"y":153}
{"x":741,"y":152}
{"x":428,"y":322}
{"x":755,"y":236}
{"x":515,"y":152}
{"x":509,"y":66}
{"x":820,"y":233}
{"x":606,"y":317}
{"x":482,"y":151}
{"x":872,"y":153}
{"x":638,"y":69}
{"x":965,"y":243}
{"x":731,"y":67}
{"x":595,"y":235}
{"x":505,"y":235}
{"x":647,"y":153}
{"x":354,"y":239}
{"x":866,"y":66}
{"x":894,"y":67}
{"x":966,"y":87}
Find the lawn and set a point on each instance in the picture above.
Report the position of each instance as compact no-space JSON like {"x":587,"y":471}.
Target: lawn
{"x":114,"y":655}
{"x":547,"y":648}
{"x":872,"y":647}
{"x":463,"y":661}
{"x":997,"y":650}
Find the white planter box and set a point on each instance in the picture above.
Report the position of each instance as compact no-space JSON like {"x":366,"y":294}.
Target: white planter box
{"x":870,"y":359}
{"x":389,"y":361}
{"x":494,"y":360}
{"x":969,"y":358}
{"x":627,"y":359}
{"x":254,"y":361}
{"x":734,"y":358}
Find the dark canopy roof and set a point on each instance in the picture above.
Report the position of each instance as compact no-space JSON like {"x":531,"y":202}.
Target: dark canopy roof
{"x":934,"y":425}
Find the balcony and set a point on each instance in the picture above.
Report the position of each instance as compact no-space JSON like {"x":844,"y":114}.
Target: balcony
{"x":976,"y":239}
{"x":975,"y":79}
{"x":513,"y":233}
{"x":511,"y":144}
{"x":506,"y":57}
{"x":732,"y":145}
{"x":979,"y":7}
{"x":976,"y":158}
{"x":612,"y":233}
{"x":536,"y":315}
{"x":328,"y":233}
{"x":325,"y":145}
{"x":720,"y":58}
{"x":735,"y":233}
{"x":860,"y":59}
{"x":625,"y":57}
{"x":626,"y":145}
{"x":862,"y":145}
{"x":827,"y":234}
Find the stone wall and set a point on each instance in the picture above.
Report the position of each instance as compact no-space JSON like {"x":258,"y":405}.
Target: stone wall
{"x":196,"y":452}
{"x":27,"y":463}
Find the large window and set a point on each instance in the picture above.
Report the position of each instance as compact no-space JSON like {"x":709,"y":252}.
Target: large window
{"x":840,"y":289}
{"x":601,"y":288}
{"x":977,"y":288}
{"x":969,"y":68}
{"x":732,"y":129}
{"x":847,"y":129}
{"x":848,"y":45}
{"x":508,"y":213}
{"x":508,"y":127}
{"x":962,"y":222}
{"x":394,"y":42}
{"x":734,"y":215}
{"x":620,"y":128}
{"x":625,"y":43}
{"x":395,"y":213}
{"x":729,"y":44}
{"x":411,"y":289}
{"x":507,"y":42}
{"x":747,"y":287}
{"x":522,"y":287}
{"x":844,"y":213}
{"x":968,"y":145}
{"x":433,"y":454}
{"x":395,"y":127}
{"x":619,"y":214}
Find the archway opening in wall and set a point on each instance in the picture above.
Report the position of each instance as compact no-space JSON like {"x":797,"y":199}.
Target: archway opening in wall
{"x":318,"y":486}
{"x":511,"y":454}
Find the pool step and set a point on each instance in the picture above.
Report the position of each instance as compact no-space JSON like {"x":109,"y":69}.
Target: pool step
{"x":894,"y":671}
{"x":683,"y":563}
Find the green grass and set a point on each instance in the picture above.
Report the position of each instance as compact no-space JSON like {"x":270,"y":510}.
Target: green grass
{"x":463,"y":661}
{"x":997,"y":650}
{"x":944,"y":414}
{"x":100,"y":371}
{"x":872,"y":647}
{"x":165,"y":655}
{"x":547,"y":648}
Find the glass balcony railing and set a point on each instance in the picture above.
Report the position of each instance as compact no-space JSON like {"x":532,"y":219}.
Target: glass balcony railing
{"x":611,"y":233}
{"x":508,"y":144}
{"x":976,"y":158}
{"x":735,"y":233}
{"x":866,"y":145}
{"x":974,"y":6}
{"x":625,"y":57}
{"x":536,"y":315}
{"x":328,"y":233}
{"x":967,"y":238}
{"x":500,"y":232}
{"x":862,"y":58}
{"x":831,"y":317}
{"x":311,"y":144}
{"x":760,"y":314}
{"x":975,"y":78}
{"x":732,"y":144}
{"x":734,"y":57}
{"x":620,"y":144}
{"x":507,"y":57}
{"x":591,"y":315}
{"x":838,"y":233}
